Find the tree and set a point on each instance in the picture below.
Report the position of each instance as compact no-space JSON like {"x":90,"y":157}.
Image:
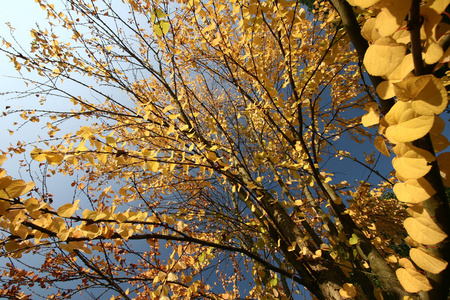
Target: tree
{"x":213,"y":137}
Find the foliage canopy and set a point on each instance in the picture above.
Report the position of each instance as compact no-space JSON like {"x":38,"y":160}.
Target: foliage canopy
{"x":209,"y":155}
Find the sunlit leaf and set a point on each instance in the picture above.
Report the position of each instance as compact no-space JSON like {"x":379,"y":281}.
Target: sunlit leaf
{"x":68,"y":209}
{"x":423,"y":230}
{"x":427,"y":92}
{"x":426,"y":261}
{"x":405,"y":124}
{"x":412,"y":281}
{"x":362,"y":3}
{"x":383,"y":56}
{"x":411,"y":165}
{"x":414,"y":190}
{"x":392,"y":16}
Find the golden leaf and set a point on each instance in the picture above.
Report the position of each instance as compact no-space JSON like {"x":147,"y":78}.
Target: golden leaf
{"x":423,"y":230}
{"x":433,"y":53}
{"x":405,"y":124}
{"x":384,"y":56}
{"x":37,"y":154}
{"x":403,"y":69}
{"x":172,"y":277}
{"x":348,"y":291}
{"x":68,"y":209}
{"x":292,"y":247}
{"x":438,"y":5}
{"x":373,"y":115}
{"x":412,"y":281}
{"x":414,"y":190}
{"x":362,"y":3}
{"x":17,"y":188}
{"x":380,"y":144}
{"x":392,"y":16}
{"x":427,"y":92}
{"x":2,"y":159}
{"x":5,"y":182}
{"x":368,"y":31}
{"x":411,"y":166}
{"x":385,"y":90}
{"x":427,"y":261}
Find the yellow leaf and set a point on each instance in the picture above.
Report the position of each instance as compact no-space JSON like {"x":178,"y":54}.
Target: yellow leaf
{"x":433,"y":53}
{"x":153,"y":166}
{"x":438,"y":5}
{"x":68,"y":209}
{"x":412,"y":281}
{"x":37,"y":154}
{"x":385,"y":90}
{"x":292,"y":247}
{"x":172,"y":277}
{"x":362,"y":3}
{"x":31,"y":204}
{"x":384,"y":56}
{"x":427,"y":92}
{"x":414,"y":190}
{"x":2,"y":159}
{"x":380,"y":144}
{"x":348,"y":291}
{"x":403,"y":70}
{"x":427,"y":261}
{"x":18,"y":188}
{"x":406,"y":125}
{"x":373,"y":115}
{"x":444,"y":166}
{"x":5,"y":182}
{"x":368,"y":31}
{"x":411,"y":165}
{"x":392,"y":16}
{"x":423,"y":230}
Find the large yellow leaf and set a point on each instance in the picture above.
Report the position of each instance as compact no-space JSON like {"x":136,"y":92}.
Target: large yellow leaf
{"x":409,"y":127}
{"x":414,"y":190}
{"x":68,"y":209}
{"x":411,"y":165}
{"x":433,"y":53}
{"x":427,"y":261}
{"x":424,"y":230}
{"x":368,"y":31}
{"x":392,"y":16}
{"x":438,"y":5}
{"x":385,"y":90}
{"x":427,"y":92}
{"x":412,"y":281}
{"x":362,"y":3}
{"x":444,"y":166}
{"x":403,"y":69}
{"x":18,"y":188}
{"x":383,"y":57}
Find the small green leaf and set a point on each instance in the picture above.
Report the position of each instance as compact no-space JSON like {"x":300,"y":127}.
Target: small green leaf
{"x":353,"y":240}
